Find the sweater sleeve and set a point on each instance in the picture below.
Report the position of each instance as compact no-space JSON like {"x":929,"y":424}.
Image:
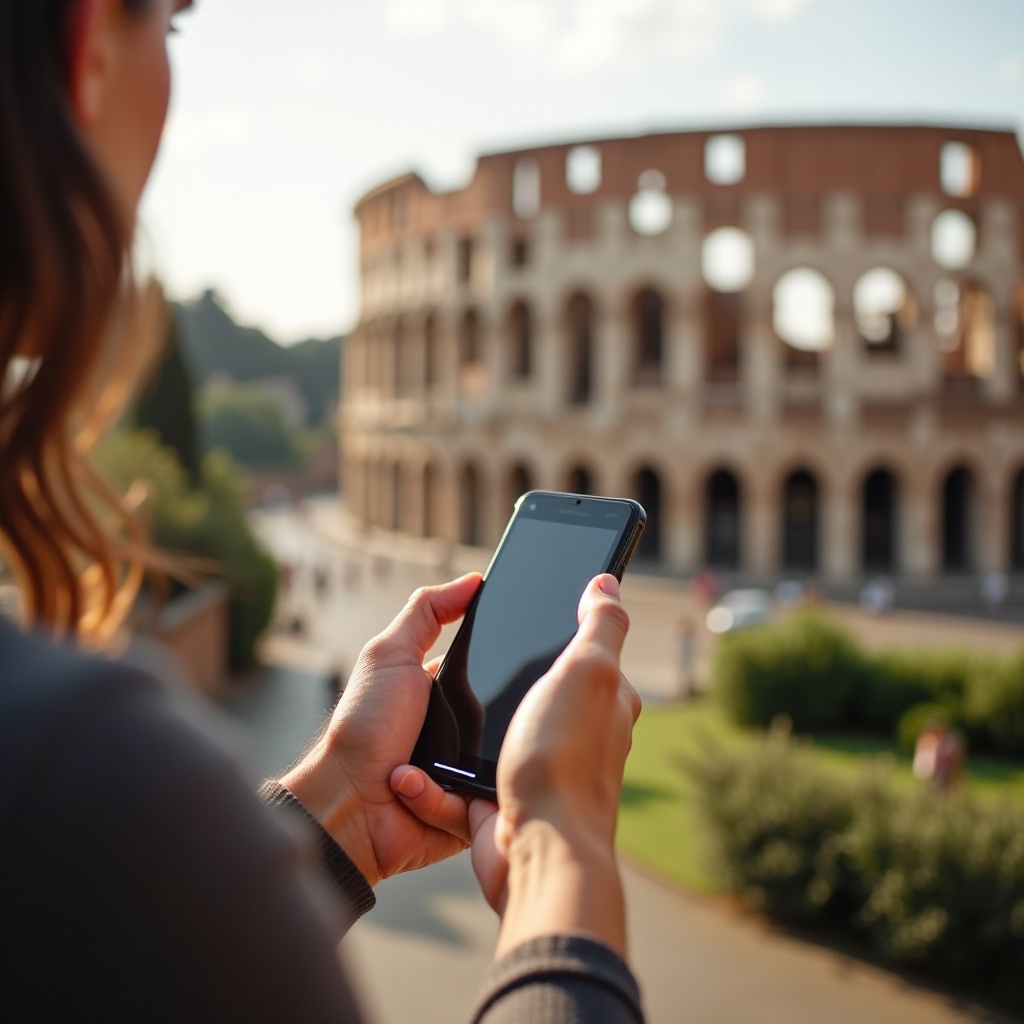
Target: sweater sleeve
{"x":351,"y":887}
{"x":141,"y":870}
{"x":559,"y":979}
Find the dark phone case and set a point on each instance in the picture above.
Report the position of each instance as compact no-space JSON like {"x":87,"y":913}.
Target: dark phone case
{"x":438,"y":710}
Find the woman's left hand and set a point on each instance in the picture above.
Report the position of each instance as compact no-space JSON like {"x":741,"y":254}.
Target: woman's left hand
{"x":352,"y":777}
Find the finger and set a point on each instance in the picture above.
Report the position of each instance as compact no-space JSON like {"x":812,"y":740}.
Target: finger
{"x":430,"y":803}
{"x":480,"y":812}
{"x":418,"y":624}
{"x":601,"y":616}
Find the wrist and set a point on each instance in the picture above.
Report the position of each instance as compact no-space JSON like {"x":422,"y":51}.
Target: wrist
{"x":323,"y":788}
{"x":561,"y":882}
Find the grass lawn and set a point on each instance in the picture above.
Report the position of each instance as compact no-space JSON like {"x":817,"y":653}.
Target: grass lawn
{"x":658,"y":822}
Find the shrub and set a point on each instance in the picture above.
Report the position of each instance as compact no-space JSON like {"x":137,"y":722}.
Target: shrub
{"x":897,"y":680}
{"x":805,"y":668}
{"x":208,"y":522}
{"x":994,"y":705}
{"x":912,"y":724}
{"x":771,"y":813}
{"x":926,"y":879}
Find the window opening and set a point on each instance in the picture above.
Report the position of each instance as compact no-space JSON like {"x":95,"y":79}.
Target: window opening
{"x":883,"y":309}
{"x":803,"y":312}
{"x":648,"y":331}
{"x":427,"y":525}
{"x":520,"y":341}
{"x":430,"y":350}
{"x":965,"y":323}
{"x":647,"y":488}
{"x":954,"y":239}
{"x":580,"y":481}
{"x":650,"y":209}
{"x":526,"y":189}
{"x":519,"y":252}
{"x":727,"y":259}
{"x":957,"y":493}
{"x":469,"y":506}
{"x":958,"y":169}
{"x":878,"y":545}
{"x":581,"y":343}
{"x":723,"y":324}
{"x":800,"y":522}
{"x":725,"y":159}
{"x":464,"y":260}
{"x":722,"y":521}
{"x":583,"y":169}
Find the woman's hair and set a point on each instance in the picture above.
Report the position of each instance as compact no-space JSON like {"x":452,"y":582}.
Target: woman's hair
{"x":65,"y":366}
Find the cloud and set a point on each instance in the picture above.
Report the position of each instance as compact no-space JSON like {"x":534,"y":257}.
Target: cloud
{"x":586,"y":35}
{"x":745,"y":94}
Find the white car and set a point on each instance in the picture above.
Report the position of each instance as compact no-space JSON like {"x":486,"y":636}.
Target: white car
{"x":739,"y":609}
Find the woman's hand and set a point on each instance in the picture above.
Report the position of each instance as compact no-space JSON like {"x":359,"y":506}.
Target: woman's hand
{"x":350,"y":778}
{"x":544,"y":856}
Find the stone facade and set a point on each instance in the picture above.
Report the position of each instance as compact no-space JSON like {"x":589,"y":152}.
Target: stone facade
{"x":830,"y":385}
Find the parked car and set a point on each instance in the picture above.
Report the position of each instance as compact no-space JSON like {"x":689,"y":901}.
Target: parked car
{"x":739,"y":609}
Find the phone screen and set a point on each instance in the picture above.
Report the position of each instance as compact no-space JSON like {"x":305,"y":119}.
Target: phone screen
{"x":520,"y":621}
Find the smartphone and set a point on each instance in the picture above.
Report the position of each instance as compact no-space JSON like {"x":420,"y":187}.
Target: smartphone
{"x":521,"y":618}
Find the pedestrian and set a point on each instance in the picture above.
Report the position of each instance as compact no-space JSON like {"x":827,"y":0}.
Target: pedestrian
{"x":140,"y":877}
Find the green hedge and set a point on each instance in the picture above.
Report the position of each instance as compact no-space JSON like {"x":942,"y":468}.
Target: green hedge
{"x":207,"y":520}
{"x":925,"y":879}
{"x":812,"y":671}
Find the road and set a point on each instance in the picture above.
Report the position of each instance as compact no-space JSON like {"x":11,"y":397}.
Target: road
{"x":420,"y":955}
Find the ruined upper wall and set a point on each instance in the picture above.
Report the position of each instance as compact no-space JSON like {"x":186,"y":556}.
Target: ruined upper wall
{"x":797,"y":164}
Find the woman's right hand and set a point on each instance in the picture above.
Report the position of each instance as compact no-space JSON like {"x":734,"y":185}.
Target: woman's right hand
{"x":544,"y":855}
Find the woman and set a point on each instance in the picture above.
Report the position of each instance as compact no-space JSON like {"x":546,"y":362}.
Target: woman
{"x":139,"y":878}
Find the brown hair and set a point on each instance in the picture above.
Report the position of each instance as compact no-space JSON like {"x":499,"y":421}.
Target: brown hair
{"x":65,"y":366}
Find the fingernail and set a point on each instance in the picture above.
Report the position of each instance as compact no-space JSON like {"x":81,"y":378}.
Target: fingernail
{"x":411,"y":785}
{"x":609,"y":585}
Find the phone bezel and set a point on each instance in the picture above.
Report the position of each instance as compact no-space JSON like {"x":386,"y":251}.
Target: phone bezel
{"x":554,"y":506}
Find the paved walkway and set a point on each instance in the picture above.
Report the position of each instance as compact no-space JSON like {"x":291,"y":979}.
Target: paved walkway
{"x":420,"y":955}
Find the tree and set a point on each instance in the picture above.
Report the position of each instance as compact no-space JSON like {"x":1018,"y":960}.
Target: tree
{"x":166,"y":405}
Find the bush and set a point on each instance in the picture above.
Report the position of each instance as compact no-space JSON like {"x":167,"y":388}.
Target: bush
{"x":912,"y":724}
{"x":994,"y":704}
{"x":770,"y":814}
{"x":926,"y":879}
{"x":208,"y":522}
{"x":806,"y":668}
{"x":897,"y":680}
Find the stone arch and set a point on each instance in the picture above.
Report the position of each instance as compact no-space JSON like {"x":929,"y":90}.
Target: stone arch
{"x":580,"y":330}
{"x":430,"y":354}
{"x":959,"y":488}
{"x":520,"y":340}
{"x":648,"y":328}
{"x":470,"y":505}
{"x":1017,"y":521}
{"x":803,"y":315}
{"x":519,"y":480}
{"x":647,"y":488}
{"x":429,"y":484}
{"x":880,"y":521}
{"x":579,"y":479}
{"x":801,"y":514}
{"x":884,"y":309}
{"x":723,"y":520}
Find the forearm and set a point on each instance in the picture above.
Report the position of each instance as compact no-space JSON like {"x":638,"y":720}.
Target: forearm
{"x":558,"y":885}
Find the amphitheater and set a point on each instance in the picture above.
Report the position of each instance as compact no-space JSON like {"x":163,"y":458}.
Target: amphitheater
{"x":799,"y":347}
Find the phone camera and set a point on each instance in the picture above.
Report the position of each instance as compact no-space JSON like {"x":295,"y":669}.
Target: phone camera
{"x":533,"y":506}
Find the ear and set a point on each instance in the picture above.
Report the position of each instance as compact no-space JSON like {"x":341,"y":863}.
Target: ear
{"x":89,"y":55}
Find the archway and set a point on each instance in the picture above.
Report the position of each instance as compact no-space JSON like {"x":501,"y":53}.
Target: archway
{"x":580,"y":329}
{"x":800,"y":522}
{"x":957,"y":497}
{"x":427,"y":523}
{"x":580,"y":481}
{"x":520,"y":480}
{"x":878,"y":522}
{"x":648,"y":336}
{"x":722,"y":521}
{"x":647,"y":488}
{"x":470,"y":506}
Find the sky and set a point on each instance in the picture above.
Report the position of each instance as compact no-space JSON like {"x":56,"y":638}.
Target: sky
{"x":286,"y":111}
